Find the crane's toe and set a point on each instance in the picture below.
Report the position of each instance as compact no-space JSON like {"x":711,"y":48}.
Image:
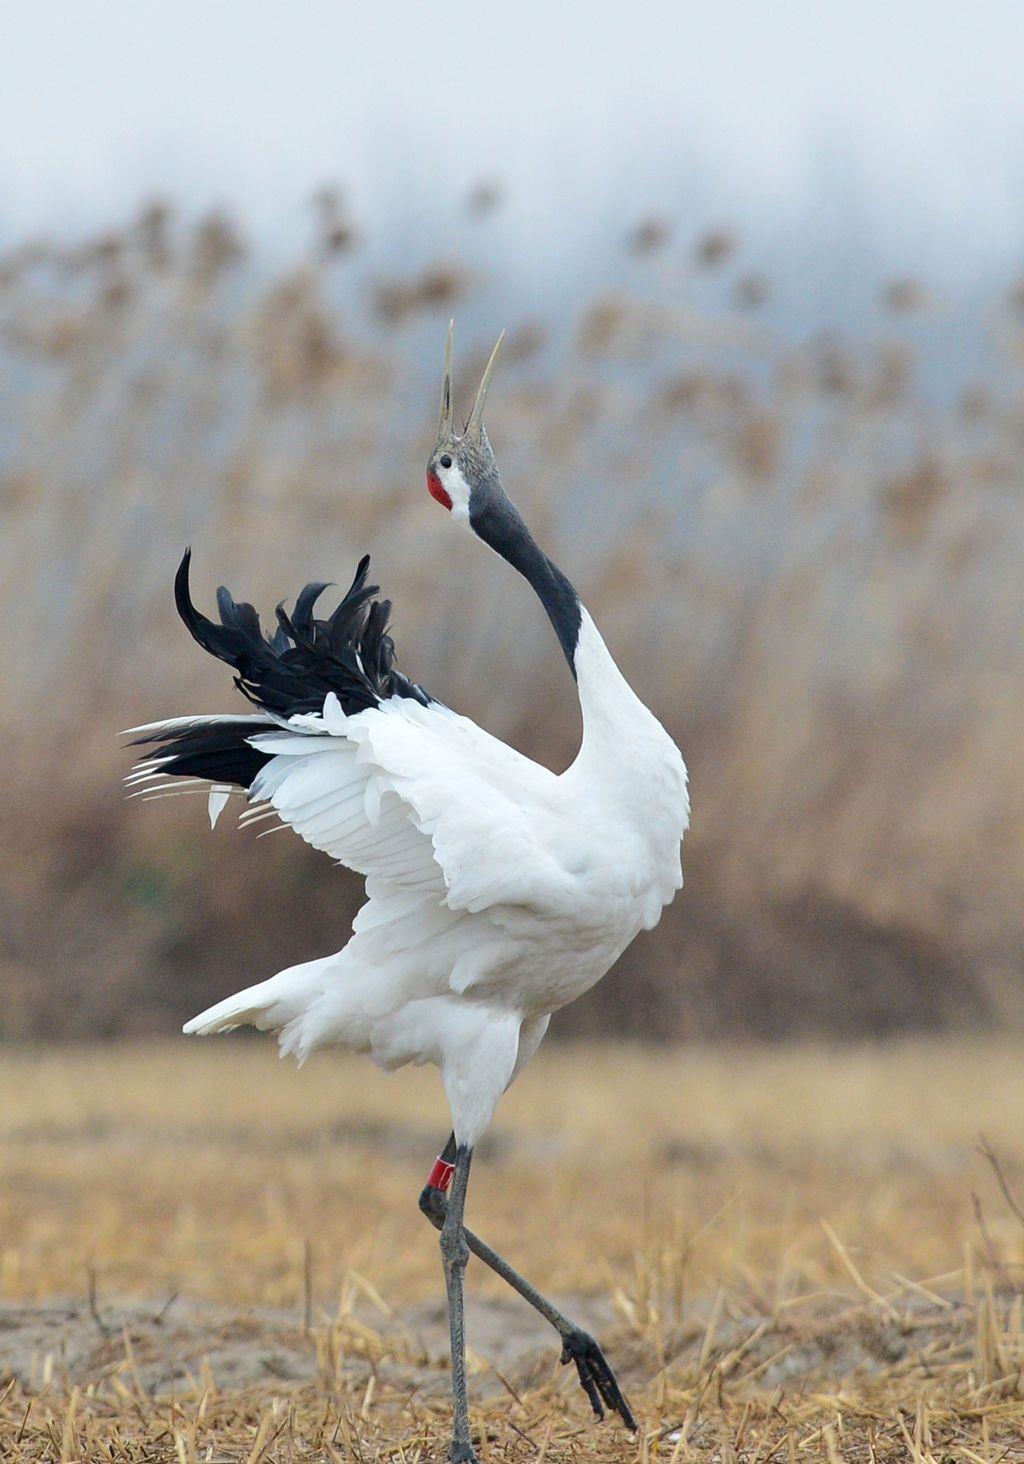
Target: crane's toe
{"x":596,"y":1377}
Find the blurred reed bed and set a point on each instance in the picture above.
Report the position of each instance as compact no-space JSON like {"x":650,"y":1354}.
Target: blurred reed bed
{"x":807,"y":561}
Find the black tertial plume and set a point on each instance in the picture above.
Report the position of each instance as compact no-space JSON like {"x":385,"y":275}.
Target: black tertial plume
{"x":293,"y":670}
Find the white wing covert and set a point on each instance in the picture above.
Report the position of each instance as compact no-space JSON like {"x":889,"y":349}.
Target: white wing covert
{"x":418,"y":798}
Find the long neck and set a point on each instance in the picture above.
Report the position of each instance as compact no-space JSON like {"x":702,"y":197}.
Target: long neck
{"x":507,"y":535}
{"x":612,"y":712}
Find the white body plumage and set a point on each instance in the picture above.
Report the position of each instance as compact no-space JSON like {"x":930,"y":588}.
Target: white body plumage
{"x":498,"y":891}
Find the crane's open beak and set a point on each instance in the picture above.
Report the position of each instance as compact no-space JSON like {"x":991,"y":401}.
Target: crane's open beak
{"x":475,"y":425}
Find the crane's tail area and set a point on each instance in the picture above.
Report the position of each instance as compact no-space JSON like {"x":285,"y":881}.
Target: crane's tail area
{"x":277,"y":1005}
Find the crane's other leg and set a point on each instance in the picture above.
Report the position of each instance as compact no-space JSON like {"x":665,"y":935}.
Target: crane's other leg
{"x":596,"y":1377}
{"x":454,"y":1255}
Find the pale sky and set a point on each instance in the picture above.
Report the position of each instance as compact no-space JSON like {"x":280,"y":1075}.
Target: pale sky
{"x":254,"y":104}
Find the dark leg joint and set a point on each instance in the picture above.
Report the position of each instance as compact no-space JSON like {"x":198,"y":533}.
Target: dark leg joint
{"x":434,"y":1204}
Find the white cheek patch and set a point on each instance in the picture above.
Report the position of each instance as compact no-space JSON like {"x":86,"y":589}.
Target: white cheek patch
{"x":457,"y":489}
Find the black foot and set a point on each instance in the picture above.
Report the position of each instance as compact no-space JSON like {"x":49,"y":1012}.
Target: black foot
{"x":462,"y":1454}
{"x":596,"y":1378}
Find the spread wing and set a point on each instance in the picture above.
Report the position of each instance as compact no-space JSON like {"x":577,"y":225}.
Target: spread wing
{"x":358,"y":759}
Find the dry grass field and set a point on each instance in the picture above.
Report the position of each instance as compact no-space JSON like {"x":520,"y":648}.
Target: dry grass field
{"x":789,"y":1254}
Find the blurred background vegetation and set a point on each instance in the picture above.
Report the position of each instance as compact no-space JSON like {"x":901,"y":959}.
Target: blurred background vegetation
{"x":802,"y":542}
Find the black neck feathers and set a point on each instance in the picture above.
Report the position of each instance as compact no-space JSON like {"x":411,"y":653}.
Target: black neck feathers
{"x":501,"y":526}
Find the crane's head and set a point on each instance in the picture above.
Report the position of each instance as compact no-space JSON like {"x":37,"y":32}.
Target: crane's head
{"x":462,"y":474}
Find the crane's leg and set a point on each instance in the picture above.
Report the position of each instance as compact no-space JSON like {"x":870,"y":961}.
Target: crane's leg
{"x":454,"y":1255}
{"x":596,"y":1377}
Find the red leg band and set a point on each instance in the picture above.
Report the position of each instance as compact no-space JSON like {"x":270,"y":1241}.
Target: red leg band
{"x":441,"y":1175}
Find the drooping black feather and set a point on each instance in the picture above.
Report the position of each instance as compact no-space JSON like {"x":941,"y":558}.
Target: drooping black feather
{"x":291,"y":671}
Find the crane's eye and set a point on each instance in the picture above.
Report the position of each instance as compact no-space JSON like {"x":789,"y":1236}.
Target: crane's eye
{"x":445,"y":460}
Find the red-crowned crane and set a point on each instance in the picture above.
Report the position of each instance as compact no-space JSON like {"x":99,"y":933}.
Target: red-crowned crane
{"x":497,"y":891}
